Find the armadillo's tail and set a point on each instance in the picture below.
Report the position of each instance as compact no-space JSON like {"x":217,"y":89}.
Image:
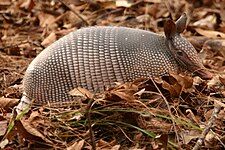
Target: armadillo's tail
{"x":24,"y":105}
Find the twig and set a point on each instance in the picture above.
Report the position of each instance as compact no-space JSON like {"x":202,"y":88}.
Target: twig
{"x":76,"y":13}
{"x":168,"y":106}
{"x":207,"y":128}
{"x":89,"y":123}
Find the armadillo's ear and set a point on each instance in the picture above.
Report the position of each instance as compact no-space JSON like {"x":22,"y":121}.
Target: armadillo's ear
{"x":170,"y":28}
{"x":181,"y":23}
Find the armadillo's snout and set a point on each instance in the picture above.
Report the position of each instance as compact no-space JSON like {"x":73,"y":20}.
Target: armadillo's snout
{"x":204,"y":74}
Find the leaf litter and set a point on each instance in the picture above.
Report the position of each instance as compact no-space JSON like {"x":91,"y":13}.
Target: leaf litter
{"x":130,"y":115}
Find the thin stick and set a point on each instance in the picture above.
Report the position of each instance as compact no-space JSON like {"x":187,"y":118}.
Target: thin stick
{"x":88,"y":113}
{"x":168,"y":106}
{"x":207,"y":128}
{"x":76,"y":13}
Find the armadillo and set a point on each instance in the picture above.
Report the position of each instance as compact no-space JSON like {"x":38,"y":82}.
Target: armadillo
{"x":97,"y":57}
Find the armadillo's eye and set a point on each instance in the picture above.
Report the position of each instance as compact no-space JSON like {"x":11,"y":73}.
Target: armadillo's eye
{"x":179,"y":53}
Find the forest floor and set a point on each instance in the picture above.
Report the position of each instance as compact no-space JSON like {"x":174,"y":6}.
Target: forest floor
{"x":174,"y":112}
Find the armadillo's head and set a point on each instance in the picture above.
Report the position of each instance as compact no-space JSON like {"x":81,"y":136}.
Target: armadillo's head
{"x":183,"y":50}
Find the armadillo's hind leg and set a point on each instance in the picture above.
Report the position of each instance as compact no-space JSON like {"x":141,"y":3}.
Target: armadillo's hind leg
{"x":24,"y":105}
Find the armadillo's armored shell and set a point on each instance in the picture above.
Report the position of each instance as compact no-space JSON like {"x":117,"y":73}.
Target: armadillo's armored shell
{"x":93,"y":58}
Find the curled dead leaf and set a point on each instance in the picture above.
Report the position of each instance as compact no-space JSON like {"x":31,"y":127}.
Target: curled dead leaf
{"x":123,"y":3}
{"x":5,"y":103}
{"x":3,"y":127}
{"x":46,"y":20}
{"x":126,"y":91}
{"x":210,"y":140}
{"x":216,"y":45}
{"x":222,"y":80}
{"x":81,"y":92}
{"x":124,"y":95}
{"x":189,"y":135}
{"x":210,"y":33}
{"x":49,"y":40}
{"x":28,"y":4}
{"x":176,"y":83}
{"x":207,"y":22}
{"x":77,"y":145}
{"x":174,"y":90}
{"x":185,"y":81}
{"x":26,"y":124}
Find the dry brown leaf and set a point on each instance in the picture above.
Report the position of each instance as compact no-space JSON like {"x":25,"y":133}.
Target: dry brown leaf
{"x":74,"y":2}
{"x":8,"y":102}
{"x":139,"y":93}
{"x":222,"y":80}
{"x":3,"y":143}
{"x":28,"y":4}
{"x":116,"y":147}
{"x":175,"y":89}
{"x":216,"y":45}
{"x":176,"y":83}
{"x":208,"y":115}
{"x":215,"y":81}
{"x":123,"y":95}
{"x":185,"y":81}
{"x":108,"y":5}
{"x":46,"y":20}
{"x":210,"y":33}
{"x":207,"y":22}
{"x":189,"y":135}
{"x":33,"y":131}
{"x":104,"y":145}
{"x":219,"y":103}
{"x":123,"y":3}
{"x":49,"y":40}
{"x":3,"y":127}
{"x":154,"y":1}
{"x":210,"y":140}
{"x":77,"y":145}
{"x":81,"y":92}
{"x":5,"y":2}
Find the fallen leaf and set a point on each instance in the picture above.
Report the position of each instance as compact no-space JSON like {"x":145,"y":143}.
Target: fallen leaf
{"x":28,"y":4}
{"x":210,"y":33}
{"x":116,"y":147}
{"x":8,"y":102}
{"x":33,"y":131}
{"x":216,"y":45}
{"x":207,"y":22}
{"x":104,"y":145}
{"x":222,"y":80}
{"x":198,"y":41}
{"x":172,"y":86}
{"x":77,"y":145}
{"x":154,"y":1}
{"x":185,"y":81}
{"x":81,"y":92}
{"x":49,"y":40}
{"x":210,"y":140}
{"x":46,"y":20}
{"x":4,"y":143}
{"x":3,"y":127}
{"x":123,"y":3}
{"x":123,"y":95}
{"x":189,"y":135}
{"x":5,"y":2}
